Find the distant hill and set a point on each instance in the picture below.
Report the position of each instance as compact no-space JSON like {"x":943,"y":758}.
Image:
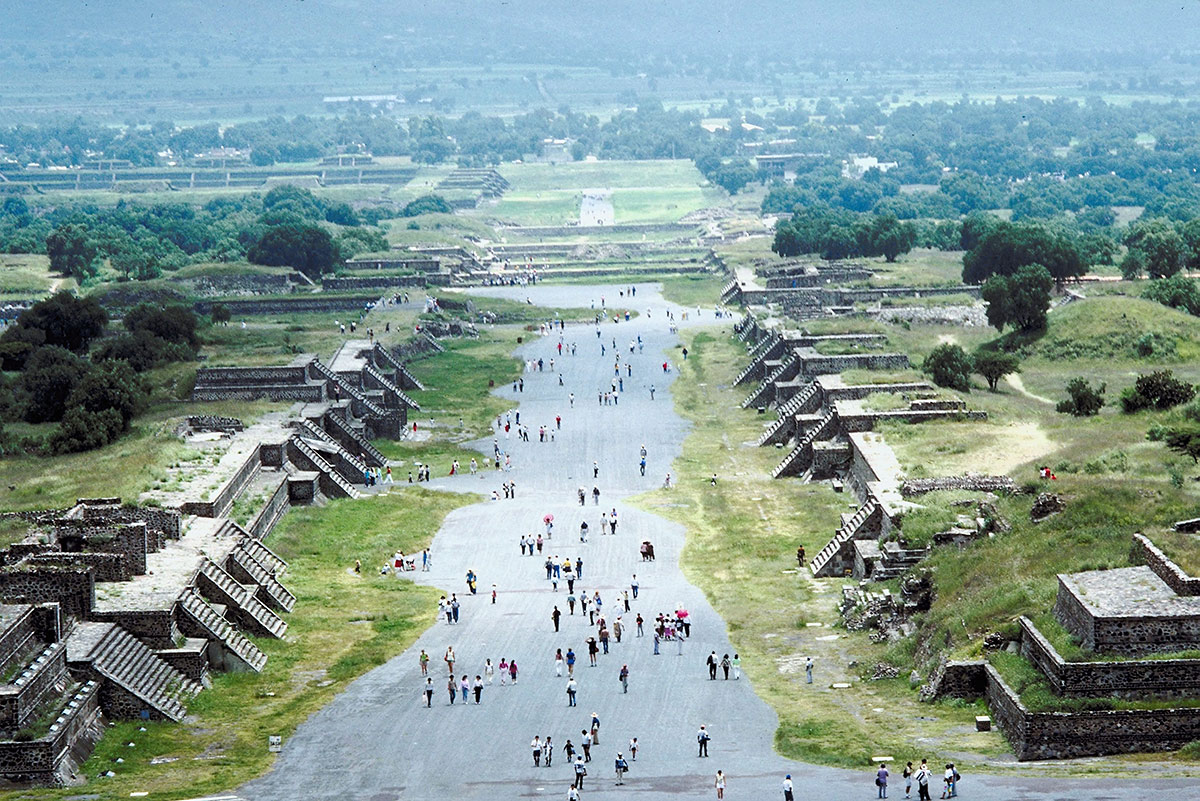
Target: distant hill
{"x":1119,"y":328}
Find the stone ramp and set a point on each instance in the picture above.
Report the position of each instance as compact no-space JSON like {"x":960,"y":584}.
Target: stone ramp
{"x":799,"y":459}
{"x":136,"y":675}
{"x":204,"y":621}
{"x":246,"y":568}
{"x":833,"y":555}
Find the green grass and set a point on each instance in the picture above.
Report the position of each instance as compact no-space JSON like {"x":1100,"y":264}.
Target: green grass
{"x":28,"y":276}
{"x":920,"y":267}
{"x":1112,"y":327}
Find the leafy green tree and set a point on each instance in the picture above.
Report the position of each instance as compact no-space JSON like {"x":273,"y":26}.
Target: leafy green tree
{"x":220,"y":314}
{"x":49,"y":377}
{"x":1157,"y":390}
{"x":1178,"y":292}
{"x":1083,"y":400}
{"x":171,"y":323}
{"x":72,"y":251}
{"x":113,"y":385}
{"x":1184,"y":440}
{"x":65,"y":320}
{"x":1008,"y":247}
{"x":341,"y":214}
{"x":949,"y":366}
{"x":994,"y":365}
{"x":1155,"y":248}
{"x":307,"y":248}
{"x":135,"y":264}
{"x":889,"y":237}
{"x":82,"y":430}
{"x":1020,"y":300}
{"x":732,"y":176}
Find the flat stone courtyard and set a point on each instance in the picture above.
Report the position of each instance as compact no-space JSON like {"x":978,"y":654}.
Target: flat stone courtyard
{"x":378,"y":741}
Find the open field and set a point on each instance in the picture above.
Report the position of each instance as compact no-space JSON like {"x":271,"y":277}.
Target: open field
{"x":24,"y":276}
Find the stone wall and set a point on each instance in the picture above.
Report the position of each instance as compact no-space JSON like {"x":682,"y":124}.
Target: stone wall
{"x":307,"y":303}
{"x":38,"y":761}
{"x":829,"y":459}
{"x":1144,"y":678}
{"x":1146,"y":552}
{"x":14,"y":639}
{"x":822,"y":365}
{"x":382,"y":283}
{"x":211,"y":286}
{"x":955,"y":679}
{"x":971,"y":482}
{"x":20,"y":698}
{"x":1074,"y":617}
{"x":190,"y":661}
{"x":73,"y":588}
{"x":220,"y":503}
{"x":242,"y":376}
{"x":154,"y":627}
{"x":212,"y":422}
{"x":275,"y":507}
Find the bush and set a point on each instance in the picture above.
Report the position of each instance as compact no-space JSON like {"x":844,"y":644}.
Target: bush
{"x":1082,"y":399}
{"x":1185,"y":440}
{"x":993,"y":365}
{"x":48,"y":380}
{"x":82,"y":430}
{"x":1157,"y":390}
{"x":949,"y":366}
{"x":220,"y":314}
{"x":171,"y":323}
{"x":1178,"y":292}
{"x":426,"y":204}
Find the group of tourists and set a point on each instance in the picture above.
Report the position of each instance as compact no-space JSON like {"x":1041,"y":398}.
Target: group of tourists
{"x":922,"y":777}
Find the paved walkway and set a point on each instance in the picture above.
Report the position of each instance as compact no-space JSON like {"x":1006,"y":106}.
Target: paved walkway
{"x":378,"y":741}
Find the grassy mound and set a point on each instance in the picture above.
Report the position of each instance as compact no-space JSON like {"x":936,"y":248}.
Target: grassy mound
{"x":1118,"y":328}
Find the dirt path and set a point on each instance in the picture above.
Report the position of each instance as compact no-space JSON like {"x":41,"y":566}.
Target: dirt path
{"x":1014,"y":381}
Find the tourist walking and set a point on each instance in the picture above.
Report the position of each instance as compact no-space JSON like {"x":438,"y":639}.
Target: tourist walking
{"x":621,"y":766}
{"x":572,"y":688}
{"x":908,"y":779}
{"x":922,"y":778}
{"x":881,"y":780}
{"x":736,"y":662}
{"x":558,"y":663}
{"x":787,"y":788}
{"x":554,"y":616}
{"x":580,"y":772}
{"x":536,"y":746}
{"x":488,"y":672}
{"x":429,"y":692}
{"x":512,"y":671}
{"x":702,"y":738}
{"x":624,"y":676}
{"x":712,"y":666}
{"x":547,"y":750}
{"x":477,"y":688}
{"x":452,"y":688}
{"x":725,"y":665}
{"x":808,"y":669}
{"x":720,"y":783}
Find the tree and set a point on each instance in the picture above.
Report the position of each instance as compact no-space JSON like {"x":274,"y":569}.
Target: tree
{"x":1020,"y":300}
{"x":171,"y":323}
{"x":134,"y":263}
{"x":341,"y":214}
{"x":1184,"y":440}
{"x":50,"y":376}
{"x":1008,"y":247}
{"x":994,"y":365}
{"x":1082,"y":399}
{"x":65,"y":320}
{"x":949,"y":366}
{"x":1178,"y":292}
{"x":220,"y":314}
{"x":72,"y":251}
{"x":307,"y":248}
{"x":1157,"y":390}
{"x":889,"y":237}
{"x":733,"y":176}
{"x":113,"y":385}
{"x":1156,"y":248}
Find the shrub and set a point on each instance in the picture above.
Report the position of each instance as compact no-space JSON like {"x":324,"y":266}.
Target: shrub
{"x":82,"y":430}
{"x":1157,"y":390}
{"x":1082,"y":400}
{"x":993,"y":365}
{"x":949,"y":366}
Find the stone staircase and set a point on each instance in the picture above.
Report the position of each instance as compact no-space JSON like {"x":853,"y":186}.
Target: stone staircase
{"x":388,"y":386}
{"x":758,"y":354}
{"x":350,"y":463}
{"x":251,"y":570}
{"x":824,"y":564}
{"x":260,"y":553}
{"x":217,"y":629}
{"x":780,"y":430}
{"x":348,"y":433}
{"x":730,"y":291}
{"x":119,"y":657}
{"x":349,"y":391}
{"x":252,"y":614}
{"x":763,"y":390}
{"x":437,"y":346}
{"x":794,"y":462}
{"x":330,"y":477}
{"x":407,"y":380}
{"x":895,"y":561}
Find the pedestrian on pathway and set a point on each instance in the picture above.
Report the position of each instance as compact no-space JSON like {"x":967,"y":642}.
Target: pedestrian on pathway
{"x":571,"y":595}
{"x":736,"y":662}
{"x":656,"y":642}
{"x":536,"y":746}
{"x":604,"y":638}
{"x":488,"y":672}
{"x":596,"y":496}
{"x":580,"y":772}
{"x":503,"y":671}
{"x":547,"y":750}
{"x":923,"y":777}
{"x":624,"y":676}
{"x":449,"y":659}
{"x":424,"y":660}
{"x":558,"y":663}
{"x":720,"y":783}
{"x":633,"y":747}
{"x":593,"y":650}
{"x":465,"y":686}
{"x":881,"y":777}
{"x":633,"y":585}
{"x":569,"y":751}
{"x":651,"y":392}
{"x":595,"y":729}
{"x":572,"y":688}
{"x":477,"y":688}
{"x":702,"y":738}
{"x":621,"y":766}
{"x":787,"y":788}
{"x":808,"y":669}
{"x":512,"y":671}
{"x":570,"y":662}
{"x":454,"y":605}
{"x":586,"y":742}
{"x":595,"y":470}
{"x":578,"y":567}
{"x":555,"y":615}
{"x":429,"y":692}
{"x":725,"y":665}
{"x":908,"y":779}
{"x":452,"y":688}
{"x":639,"y":620}
{"x":712,"y":666}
